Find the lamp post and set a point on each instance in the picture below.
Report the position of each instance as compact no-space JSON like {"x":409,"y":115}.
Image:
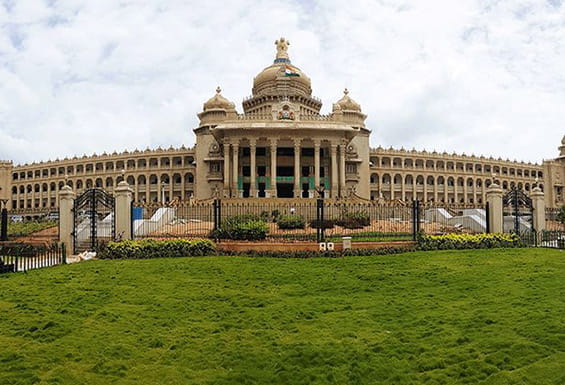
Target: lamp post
{"x":320,"y":236}
{"x":4,"y":220}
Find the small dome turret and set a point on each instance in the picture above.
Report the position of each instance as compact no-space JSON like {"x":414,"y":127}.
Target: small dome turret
{"x":218,"y":102}
{"x":346,"y":103}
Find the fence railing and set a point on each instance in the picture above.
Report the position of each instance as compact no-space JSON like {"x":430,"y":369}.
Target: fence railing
{"x":24,"y":257}
{"x":330,"y":220}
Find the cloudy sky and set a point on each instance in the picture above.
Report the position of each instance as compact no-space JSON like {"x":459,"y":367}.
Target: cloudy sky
{"x":466,"y":76}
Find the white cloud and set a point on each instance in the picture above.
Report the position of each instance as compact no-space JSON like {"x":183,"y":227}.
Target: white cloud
{"x":481,"y":77}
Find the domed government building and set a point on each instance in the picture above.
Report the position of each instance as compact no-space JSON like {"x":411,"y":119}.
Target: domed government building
{"x":279,"y":147}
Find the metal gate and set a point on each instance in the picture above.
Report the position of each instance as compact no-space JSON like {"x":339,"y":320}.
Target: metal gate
{"x":517,"y":212}
{"x":93,"y":220}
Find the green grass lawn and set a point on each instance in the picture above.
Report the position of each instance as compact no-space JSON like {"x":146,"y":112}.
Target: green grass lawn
{"x":452,"y":317}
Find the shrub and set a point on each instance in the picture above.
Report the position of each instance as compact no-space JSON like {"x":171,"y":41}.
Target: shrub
{"x":275,"y":214}
{"x":322,"y":254}
{"x":325,"y":224}
{"x":467,"y":241}
{"x":289,"y":222}
{"x":354,"y":220}
{"x":247,"y":227}
{"x":151,"y":248}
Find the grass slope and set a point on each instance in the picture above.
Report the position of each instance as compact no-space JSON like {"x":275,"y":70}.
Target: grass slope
{"x":453,"y":317}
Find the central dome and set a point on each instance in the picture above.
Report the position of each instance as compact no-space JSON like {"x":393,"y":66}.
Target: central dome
{"x":282,"y":78}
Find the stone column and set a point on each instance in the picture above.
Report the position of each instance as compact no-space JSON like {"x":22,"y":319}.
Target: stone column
{"x":494,"y":200}
{"x":252,"y":154}
{"x":66,"y":222}
{"x":342,"y":192}
{"x":316,"y":164}
{"x":465,"y":191}
{"x":226,"y":171}
{"x":297,"y":169}
{"x":235,"y":190}
{"x":402,"y":188}
{"x":122,"y":210}
{"x":425,"y":195}
{"x":538,"y":202}
{"x":333,"y":151}
{"x":273,"y":168}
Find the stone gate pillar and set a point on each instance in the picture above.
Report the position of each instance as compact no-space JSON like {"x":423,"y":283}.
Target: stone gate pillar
{"x":538,"y":203}
{"x":66,"y":222}
{"x":122,"y":210}
{"x":494,"y":200}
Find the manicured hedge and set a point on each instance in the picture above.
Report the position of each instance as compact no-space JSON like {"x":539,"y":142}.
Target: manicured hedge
{"x":151,"y":248}
{"x":246,"y":227}
{"x":317,"y":254}
{"x":354,"y":220}
{"x":467,"y":241}
{"x":325,"y":224}
{"x":291,"y":222}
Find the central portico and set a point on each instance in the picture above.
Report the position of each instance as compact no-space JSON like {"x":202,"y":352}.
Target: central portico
{"x":281,"y":146}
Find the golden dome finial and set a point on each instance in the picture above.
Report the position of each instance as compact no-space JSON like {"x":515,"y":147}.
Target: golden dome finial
{"x":345,"y":91}
{"x":282,"y":48}
{"x":218,"y":90}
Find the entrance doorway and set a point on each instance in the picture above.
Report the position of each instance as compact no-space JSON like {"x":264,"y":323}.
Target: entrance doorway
{"x":305,"y":193}
{"x":261,"y":192}
{"x":246,"y":187}
{"x":285,"y":190}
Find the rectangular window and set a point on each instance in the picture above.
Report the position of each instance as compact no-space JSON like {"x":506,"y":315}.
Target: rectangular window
{"x":322,"y":172}
{"x":214,"y":167}
{"x":246,"y":170}
{"x":351,"y":169}
{"x":307,"y":152}
{"x":261,"y":170}
{"x":305,"y":170}
{"x":285,"y":151}
{"x":261,"y":151}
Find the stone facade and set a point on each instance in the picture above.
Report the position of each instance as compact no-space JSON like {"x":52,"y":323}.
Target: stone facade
{"x":280,"y":146}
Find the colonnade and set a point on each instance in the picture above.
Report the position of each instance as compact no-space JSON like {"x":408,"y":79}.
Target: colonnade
{"x":232,"y":154}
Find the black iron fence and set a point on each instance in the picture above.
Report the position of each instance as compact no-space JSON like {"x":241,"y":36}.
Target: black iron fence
{"x":24,"y":257}
{"x":309,"y":219}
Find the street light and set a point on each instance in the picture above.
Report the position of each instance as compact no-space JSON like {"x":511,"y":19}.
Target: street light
{"x":4,"y":220}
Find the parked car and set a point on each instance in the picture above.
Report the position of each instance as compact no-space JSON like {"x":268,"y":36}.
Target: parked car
{"x":52,"y":216}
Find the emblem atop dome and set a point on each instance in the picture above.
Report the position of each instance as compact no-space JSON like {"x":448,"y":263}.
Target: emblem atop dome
{"x":282,"y":50}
